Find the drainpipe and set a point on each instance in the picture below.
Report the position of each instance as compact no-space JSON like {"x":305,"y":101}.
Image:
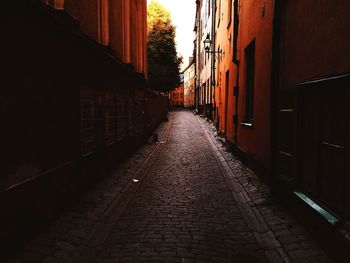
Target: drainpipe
{"x":197,"y":67}
{"x":236,"y":62}
{"x":276,"y":40}
{"x":213,"y":83}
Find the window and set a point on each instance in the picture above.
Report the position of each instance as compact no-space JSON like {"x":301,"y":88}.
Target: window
{"x":209,"y":8}
{"x":110,"y":118}
{"x":121,"y":118}
{"x":88,"y":129}
{"x":208,"y":92}
{"x":103,"y":30}
{"x":227,"y":84}
{"x":219,"y":13}
{"x":249,"y":85}
{"x":218,"y":67}
{"x":229,"y":12}
{"x":203,"y":94}
{"x":57,"y":4}
{"x":235,"y":31}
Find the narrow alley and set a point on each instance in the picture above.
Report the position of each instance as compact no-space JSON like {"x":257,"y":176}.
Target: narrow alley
{"x":182,"y":199}
{"x":175,"y":131}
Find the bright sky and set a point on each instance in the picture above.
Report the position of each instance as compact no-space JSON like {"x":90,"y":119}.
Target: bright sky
{"x":183,"y":15}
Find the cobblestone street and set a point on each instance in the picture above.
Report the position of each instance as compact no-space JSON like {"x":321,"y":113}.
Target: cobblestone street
{"x":183,"y":199}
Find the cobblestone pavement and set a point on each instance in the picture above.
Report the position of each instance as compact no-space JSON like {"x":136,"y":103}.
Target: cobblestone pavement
{"x":61,"y":240}
{"x":191,"y":201}
{"x":281,"y":230}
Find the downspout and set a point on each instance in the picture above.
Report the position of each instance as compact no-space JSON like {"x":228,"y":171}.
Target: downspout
{"x":197,"y":55}
{"x":236,"y":62}
{"x":213,"y":82}
{"x":199,"y":64}
{"x":276,"y":40}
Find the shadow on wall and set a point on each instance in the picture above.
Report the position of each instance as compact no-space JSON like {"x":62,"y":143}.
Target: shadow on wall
{"x":69,"y":112}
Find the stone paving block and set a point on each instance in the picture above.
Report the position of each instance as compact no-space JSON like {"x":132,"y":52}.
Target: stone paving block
{"x":291,"y":246}
{"x":65,"y":246}
{"x":61,"y":255}
{"x":288,"y":239}
{"x":50,"y":259}
{"x":273,"y":256}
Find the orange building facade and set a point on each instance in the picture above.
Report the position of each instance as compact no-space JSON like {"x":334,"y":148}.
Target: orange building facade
{"x":254,"y":55}
{"x":281,"y":95}
{"x":117,"y":24}
{"x":189,"y":84}
{"x":176,"y":97}
{"x":225,"y":71}
{"x":242,"y":77}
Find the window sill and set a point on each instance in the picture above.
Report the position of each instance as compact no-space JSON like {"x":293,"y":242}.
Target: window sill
{"x":247,"y":124}
{"x":332,"y":219}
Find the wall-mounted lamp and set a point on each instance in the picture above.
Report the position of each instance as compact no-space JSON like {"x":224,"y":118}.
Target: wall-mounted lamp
{"x":207,"y":46}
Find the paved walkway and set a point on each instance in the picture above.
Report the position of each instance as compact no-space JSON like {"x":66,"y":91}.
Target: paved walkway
{"x":183,"y":199}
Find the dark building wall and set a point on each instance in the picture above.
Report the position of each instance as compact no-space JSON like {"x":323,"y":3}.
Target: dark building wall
{"x":72,"y":8}
{"x":88,"y":17}
{"x":315,"y":40}
{"x":69,"y":112}
{"x":310,"y":108}
{"x":44,"y":78}
{"x":36,"y":75}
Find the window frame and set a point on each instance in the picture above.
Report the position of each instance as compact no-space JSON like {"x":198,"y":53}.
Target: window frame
{"x":229,"y":13}
{"x":249,"y":84}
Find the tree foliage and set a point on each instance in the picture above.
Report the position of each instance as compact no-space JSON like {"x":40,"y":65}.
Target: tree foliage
{"x":163,"y":63}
